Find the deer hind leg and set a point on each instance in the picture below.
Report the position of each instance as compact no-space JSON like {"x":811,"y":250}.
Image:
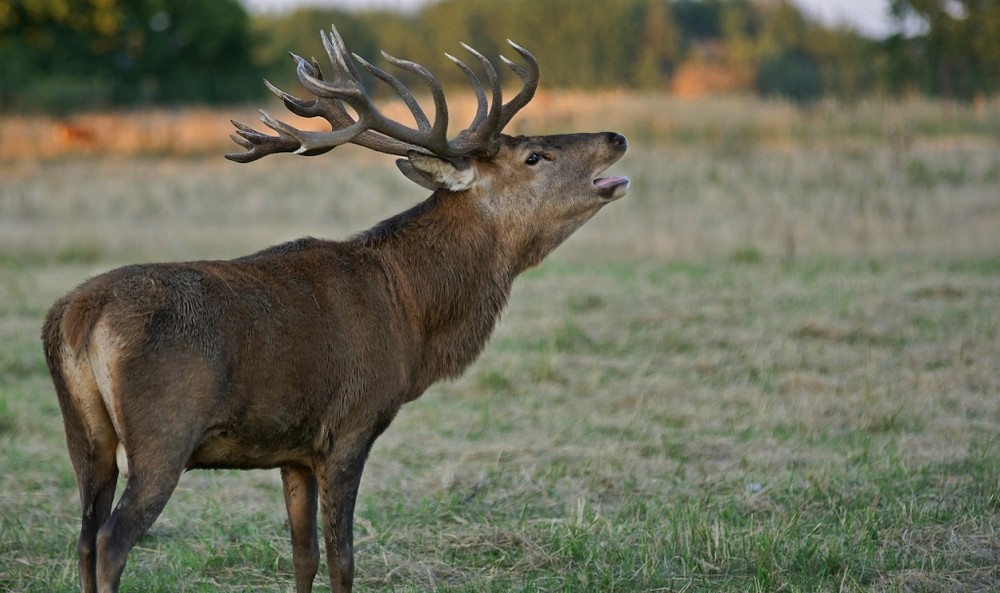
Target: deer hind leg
{"x":300,"y":490}
{"x":91,"y":441}
{"x":161,"y":418}
{"x":96,"y":496}
{"x":148,"y":490}
{"x":159,"y":445}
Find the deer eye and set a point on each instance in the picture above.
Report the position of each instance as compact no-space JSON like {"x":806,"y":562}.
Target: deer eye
{"x":532,"y":159}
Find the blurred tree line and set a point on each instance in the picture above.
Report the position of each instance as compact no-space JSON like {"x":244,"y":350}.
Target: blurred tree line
{"x":67,"y":55}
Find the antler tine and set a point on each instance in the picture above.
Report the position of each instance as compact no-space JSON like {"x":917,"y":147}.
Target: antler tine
{"x":419,"y":116}
{"x":336,"y":50}
{"x":311,"y":143}
{"x":477,"y":86}
{"x":437,"y":135}
{"x":483,"y":134}
{"x":300,"y":107}
{"x":350,"y":90}
{"x":257,"y":144}
{"x":529,"y":76}
{"x":337,"y":116}
{"x":332,"y":110}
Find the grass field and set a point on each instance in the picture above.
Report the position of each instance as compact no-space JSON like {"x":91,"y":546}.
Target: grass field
{"x":773,"y":366}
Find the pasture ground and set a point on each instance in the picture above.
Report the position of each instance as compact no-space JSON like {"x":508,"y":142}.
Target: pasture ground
{"x":773,"y":366}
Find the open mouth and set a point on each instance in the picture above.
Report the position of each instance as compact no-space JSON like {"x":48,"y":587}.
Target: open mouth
{"x":613,"y":187}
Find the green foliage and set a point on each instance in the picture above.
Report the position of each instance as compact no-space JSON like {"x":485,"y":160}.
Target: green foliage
{"x":187,"y":50}
{"x":65,"y":55}
{"x":959,"y":56}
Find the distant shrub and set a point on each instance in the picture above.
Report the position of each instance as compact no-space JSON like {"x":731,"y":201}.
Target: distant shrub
{"x":790,"y":75}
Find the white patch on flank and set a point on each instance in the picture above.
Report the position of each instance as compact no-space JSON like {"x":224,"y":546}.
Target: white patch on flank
{"x":121,"y":458}
{"x":104,"y":348}
{"x":84,"y":395}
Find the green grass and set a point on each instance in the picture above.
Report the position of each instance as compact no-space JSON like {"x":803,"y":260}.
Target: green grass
{"x":757,"y":372}
{"x":761,"y":427}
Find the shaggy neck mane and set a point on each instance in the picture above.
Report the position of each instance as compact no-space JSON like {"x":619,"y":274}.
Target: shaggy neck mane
{"x":443,"y":262}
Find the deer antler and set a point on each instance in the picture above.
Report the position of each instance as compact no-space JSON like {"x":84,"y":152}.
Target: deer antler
{"x":372,"y":129}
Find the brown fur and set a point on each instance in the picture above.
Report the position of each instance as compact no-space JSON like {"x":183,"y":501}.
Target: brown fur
{"x":298,"y":356}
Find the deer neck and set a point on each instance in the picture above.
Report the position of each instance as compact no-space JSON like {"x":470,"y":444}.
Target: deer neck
{"x":448,"y":271}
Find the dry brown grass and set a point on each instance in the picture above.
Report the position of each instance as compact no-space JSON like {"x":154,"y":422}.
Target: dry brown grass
{"x":725,"y":123}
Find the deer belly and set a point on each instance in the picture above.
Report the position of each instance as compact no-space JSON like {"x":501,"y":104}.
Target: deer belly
{"x":222,"y":450}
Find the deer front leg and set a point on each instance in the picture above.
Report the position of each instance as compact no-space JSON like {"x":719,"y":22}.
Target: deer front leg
{"x":300,"y":490}
{"x":339,"y":477}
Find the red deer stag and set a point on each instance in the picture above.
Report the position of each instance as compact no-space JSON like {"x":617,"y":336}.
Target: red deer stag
{"x":299,"y":356}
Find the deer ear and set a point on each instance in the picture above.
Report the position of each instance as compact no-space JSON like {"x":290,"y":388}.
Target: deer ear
{"x":433,"y":172}
{"x":415,"y":176}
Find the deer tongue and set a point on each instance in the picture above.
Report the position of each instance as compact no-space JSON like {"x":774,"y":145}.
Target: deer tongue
{"x":602,"y":182}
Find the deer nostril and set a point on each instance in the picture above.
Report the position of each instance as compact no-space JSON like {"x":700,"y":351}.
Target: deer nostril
{"x":617,"y":139}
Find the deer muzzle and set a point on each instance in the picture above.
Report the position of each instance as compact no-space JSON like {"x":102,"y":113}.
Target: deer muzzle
{"x":614,"y":187}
